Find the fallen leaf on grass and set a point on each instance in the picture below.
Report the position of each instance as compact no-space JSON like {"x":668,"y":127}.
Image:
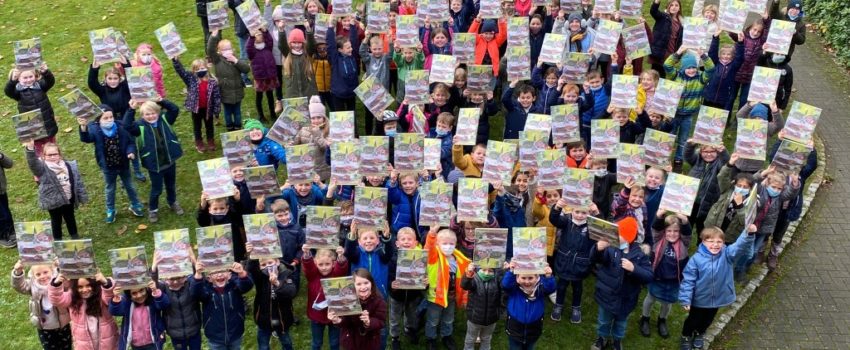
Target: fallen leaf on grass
{"x":19,"y":200}
{"x":71,"y":86}
{"x":84,"y":59}
{"x":122,"y":230}
{"x":69,"y":129}
{"x":142,"y":227}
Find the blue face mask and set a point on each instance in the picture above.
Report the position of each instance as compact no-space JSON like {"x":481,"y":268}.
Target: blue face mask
{"x":600,"y":172}
{"x":777,"y":58}
{"x":772,"y":192}
{"x":623,"y":246}
{"x":596,"y":89}
{"x":442,"y":132}
{"x":390,"y":133}
{"x":742,"y":191}
{"x":107,"y":125}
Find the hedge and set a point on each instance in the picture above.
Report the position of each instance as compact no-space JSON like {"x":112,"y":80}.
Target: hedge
{"x":832,"y":18}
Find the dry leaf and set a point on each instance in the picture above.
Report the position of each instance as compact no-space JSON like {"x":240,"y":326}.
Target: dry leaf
{"x":84,"y":59}
{"x":71,"y":86}
{"x":19,"y":200}
{"x":142,"y":227}
{"x":137,"y":231}
{"x":69,"y":129}
{"x":103,"y":18}
{"x":122,"y":230}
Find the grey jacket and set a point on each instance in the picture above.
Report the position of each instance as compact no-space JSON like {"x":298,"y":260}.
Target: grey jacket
{"x":50,"y":193}
{"x":709,"y":190}
{"x":771,"y":214}
{"x":773,"y":127}
{"x":377,"y":67}
{"x":5,"y":163}
{"x":24,"y":284}
{"x":183,"y":316}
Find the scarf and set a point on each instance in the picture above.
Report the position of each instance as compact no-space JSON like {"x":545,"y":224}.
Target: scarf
{"x":530,"y":294}
{"x":21,"y":87}
{"x":111,"y":131}
{"x":513,"y":202}
{"x":60,"y":169}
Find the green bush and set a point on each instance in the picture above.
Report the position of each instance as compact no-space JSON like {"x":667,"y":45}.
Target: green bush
{"x":832,"y":18}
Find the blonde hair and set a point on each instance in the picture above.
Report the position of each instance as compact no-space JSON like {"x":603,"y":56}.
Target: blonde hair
{"x":198,"y":63}
{"x":406,"y":231}
{"x":710,"y":8}
{"x":325,"y":253}
{"x":222,"y":43}
{"x":280,"y":205}
{"x":711,"y":232}
{"x":150,"y":106}
{"x":447,"y":118}
{"x":447,"y":234}
{"x":776,"y":178}
{"x":652,"y":73}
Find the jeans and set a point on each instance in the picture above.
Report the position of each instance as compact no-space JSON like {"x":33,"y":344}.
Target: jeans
{"x":110,"y":177}
{"x":439,"y":318}
{"x":264,"y":337}
{"x":515,"y":344}
{"x":65,"y":212}
{"x":474,"y":331}
{"x":682,"y":123}
{"x":167,"y":176}
{"x":191,"y":343}
{"x":407,"y":311}
{"x":562,"y":292}
{"x":232,"y":116}
{"x":318,"y":332}
{"x":610,"y":325}
{"x":235,"y":344}
{"x":750,"y":258}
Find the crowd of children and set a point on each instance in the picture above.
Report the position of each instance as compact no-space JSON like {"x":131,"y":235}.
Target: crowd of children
{"x":650,"y":255}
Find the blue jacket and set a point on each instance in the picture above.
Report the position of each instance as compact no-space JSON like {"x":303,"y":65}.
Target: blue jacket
{"x":376,"y":261}
{"x":345,"y":72}
{"x":95,"y":135}
{"x":519,"y":307}
{"x":405,"y":210}
{"x":546,"y":96}
{"x":719,"y":88}
{"x":290,"y":196}
{"x":535,"y":43}
{"x":617,"y":290}
{"x":125,"y":307}
{"x":463,"y":18}
{"x":269,"y":152}
{"x":516,"y":115}
{"x":574,"y":247}
{"x":707,"y":281}
{"x":445,"y":151}
{"x":291,"y":240}
{"x":223,"y":313}
{"x":146,"y":141}
{"x":601,"y":98}
{"x":509,"y":218}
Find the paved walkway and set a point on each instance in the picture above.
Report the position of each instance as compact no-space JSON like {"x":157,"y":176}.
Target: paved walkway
{"x":808,"y":307}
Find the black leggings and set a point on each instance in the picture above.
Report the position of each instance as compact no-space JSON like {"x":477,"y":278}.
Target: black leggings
{"x":200,"y":120}
{"x":341,"y":104}
{"x":278,"y":91}
{"x":65,"y":212}
{"x":259,"y":104}
{"x":699,"y":319}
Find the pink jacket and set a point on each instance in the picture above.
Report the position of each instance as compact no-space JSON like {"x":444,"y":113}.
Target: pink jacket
{"x":82,"y":341}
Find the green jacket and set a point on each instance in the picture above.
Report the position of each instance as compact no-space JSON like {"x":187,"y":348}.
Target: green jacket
{"x":229,"y":75}
{"x":718,"y":210}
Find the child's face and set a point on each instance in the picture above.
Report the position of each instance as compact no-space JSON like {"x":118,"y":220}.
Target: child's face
{"x":317,"y":121}
{"x":476,"y":98}
{"x":456,"y":6}
{"x":27,"y":78}
{"x":726,"y":55}
{"x":743,"y":184}
{"x":673,"y":8}
{"x":325,"y":265}
{"x":527,"y":280}
{"x":709,"y":15}
{"x":146,"y":55}
{"x":439,"y":97}
{"x":303,"y":189}
{"x":691,"y":72}
{"x":392,"y":17}
{"x":636,"y":199}
{"x":269,"y":263}
{"x":237,"y":173}
{"x":408,"y":54}
{"x":106,"y":117}
{"x":708,"y":153}
{"x":654,"y":178}
{"x":526,"y":99}
{"x":409,"y":185}
{"x":322,"y":50}
{"x":225,"y":48}
{"x":84,"y":288}
{"x":655,"y":118}
{"x":368,"y":240}
{"x":488,"y":36}
{"x":755,"y":31}
{"x":460,"y":80}
{"x":150,"y":116}
{"x":714,"y":245}
{"x":580,"y":215}
{"x":594,"y":82}
{"x":621,"y":118}
{"x":218,"y":208}
{"x":345,"y":49}
{"x":776,"y":186}
{"x":570,"y":97}
{"x":43,"y":274}
{"x":312,"y":8}
{"x":219,"y":279}
{"x":255,"y":134}
{"x":671,"y":233}
{"x":647,"y":82}
{"x":296,"y":46}
{"x":521,"y":182}
{"x":390,"y":126}
{"x":283,"y":217}
{"x":175,"y":283}
{"x":478,"y":154}
{"x":578,"y":153}
{"x":375,"y":180}
{"x":363,"y":286}
{"x":139,"y":295}
{"x":440,"y":40}
{"x":406,"y":241}
{"x":535,"y":25}
{"x":575,"y":26}
{"x":552,"y":196}
{"x":443,"y":126}
{"x":551,"y":80}
{"x":585,"y":2}
{"x":377,"y":48}
{"x":112,"y":80}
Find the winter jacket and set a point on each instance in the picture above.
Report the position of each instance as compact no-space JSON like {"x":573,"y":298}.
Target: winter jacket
{"x":299,"y":82}
{"x":708,"y":279}
{"x":117,"y":98}
{"x":50,"y":192}
{"x":525,"y":315}
{"x":317,"y":138}
{"x":291,"y":240}
{"x":490,"y":48}
{"x":463,"y":18}
{"x":719,"y":88}
{"x":126,"y":145}
{"x":146,"y":141}
{"x":234,"y":218}
{"x":79,"y":319}
{"x":680,"y":248}
{"x":620,"y":208}
{"x":35,"y":97}
{"x":322,"y":72}
{"x":574,"y":247}
{"x":515,"y":115}
{"x":795,"y":208}
{"x":580,"y":41}
{"x":485,"y":299}
{"x":297,"y":210}
{"x":617,"y":290}
{"x":709,"y":189}
{"x":273,"y":305}
{"x":600,"y":99}
{"x":767,"y":211}
{"x":752,"y":52}
{"x":726,"y":187}
{"x":405,"y":210}
{"x":445,"y":152}
{"x":124,"y":308}
{"x":546,"y":96}
{"x":271,"y":30}
{"x":5,"y":163}
{"x":354,"y":335}
{"x":602,"y":186}
{"x":345,"y":71}
{"x":26,"y":285}
{"x":691,"y":98}
{"x":786,"y":78}
{"x":269,"y":152}
{"x":463,"y":162}
{"x":540,"y":212}
{"x":776,"y":123}
{"x":315,"y":293}
{"x":439,"y":274}
{"x":535,"y":43}
{"x":193,"y":83}
{"x":376,"y":261}
{"x":183,"y":315}
{"x":223,"y":313}
{"x":662,"y":32}
{"x":262,"y":61}
{"x":378,"y":67}
{"x":229,"y":74}
{"x":799,"y":37}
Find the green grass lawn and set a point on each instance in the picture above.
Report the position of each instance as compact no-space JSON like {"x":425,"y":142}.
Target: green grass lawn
{"x":63,"y":30}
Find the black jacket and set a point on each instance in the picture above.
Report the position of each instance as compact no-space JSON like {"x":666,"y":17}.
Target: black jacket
{"x":183,"y":316}
{"x":573,"y":247}
{"x":485,"y":299}
{"x":272,"y":305}
{"x":234,"y":218}
{"x":31,"y":99}
{"x":117,"y":98}
{"x":661,"y":33}
{"x":709,"y":189}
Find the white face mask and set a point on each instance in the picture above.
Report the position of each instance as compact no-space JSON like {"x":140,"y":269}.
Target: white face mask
{"x":147,"y":59}
{"x":447,"y":249}
{"x":260,"y":46}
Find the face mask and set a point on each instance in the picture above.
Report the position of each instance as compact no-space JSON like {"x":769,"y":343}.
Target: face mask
{"x":600,"y":172}
{"x":201,"y":73}
{"x":793,"y":18}
{"x":447,"y":249}
{"x":596,"y":89}
{"x":147,"y":59}
{"x":772,"y":192}
{"x":442,"y":132}
{"x":346,"y":220}
{"x":218,"y":218}
{"x":227,"y":53}
{"x":269,"y":269}
{"x":107,"y":125}
{"x":485,"y":276}
{"x":390,"y":133}
{"x":777,"y":59}
{"x":742,"y":191}
{"x":260,"y":46}
{"x":579,"y":222}
{"x":623,"y":246}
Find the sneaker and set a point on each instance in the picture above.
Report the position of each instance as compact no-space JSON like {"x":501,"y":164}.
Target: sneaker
{"x":177,"y":208}
{"x":575,"y":317}
{"x":153,"y":216}
{"x":699,"y":341}
{"x":556,"y":312}
{"x":140,"y":177}
{"x":137,"y":210}
{"x":210,"y":145}
{"x":110,"y":216}
{"x":685,"y":343}
{"x":644,"y":326}
{"x":617,"y":345}
{"x":662,"y":328}
{"x":247,"y":81}
{"x":199,"y":146}
{"x":449,"y":343}
{"x":599,"y":344}
{"x":553,"y":297}
{"x":5,"y":243}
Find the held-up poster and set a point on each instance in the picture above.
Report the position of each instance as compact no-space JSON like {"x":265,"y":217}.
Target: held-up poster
{"x":252,"y":18}
{"x":416,"y":87}
{"x":215,"y":247}
{"x":518,"y":31}
{"x":129,"y":267}
{"x":733,"y":15}
{"x":432,"y":150}
{"x":436,"y":203}
{"x":519,"y":62}
{"x":345,"y":162}
{"x":342,"y":126}
{"x":636,"y":42}
{"x":680,"y":191}
{"x":81,"y":106}
{"x":624,"y":91}
{"x":373,"y":95}
{"x":576,"y":65}
{"x":531,"y":143}
{"x":539,"y":122}
{"x":261,"y":181}
{"x":237,"y":148}
{"x":341,"y":295}
{"x":601,"y":230}
{"x":631,"y":9}
{"x":752,"y":139}
{"x":605,"y":6}
{"x":300,"y":163}
{"x":217,"y":15}
{"x":374,"y":155}
{"x":378,"y":17}
{"x":29,"y":126}
{"x":409,"y":152}
{"x":324,"y":21}
{"x":104,"y":45}
{"x":578,"y":189}
{"x":553,"y":48}
{"x":604,"y":138}
{"x":710,"y":126}
{"x":173,"y":247}
{"x":76,"y":258}
{"x":35,"y":242}
{"x":410,"y":269}
{"x":442,"y":69}
{"x":791,"y":157}
{"x":28,"y":54}
{"x":322,"y":230}
{"x":801,"y":123}
{"x":490,"y":9}
{"x":693,"y":34}
{"x":370,"y":207}
{"x":630,"y":164}
{"x":472,"y":200}
{"x":170,"y":40}
{"x":764,"y":84}
{"x":463,"y":47}
{"x":565,"y":123}
{"x":499,"y":163}
{"x":478,"y":78}
{"x":467,"y":126}
{"x":261,"y":232}
{"x":490,"y":247}
{"x":779,"y":36}
{"x":607,"y":36}
{"x":529,"y":245}
{"x":287,"y":126}
{"x":215,"y":178}
{"x":658,"y":147}
{"x":666,"y":98}
{"x":407,"y":33}
{"x":551,"y":169}
{"x":141,"y":83}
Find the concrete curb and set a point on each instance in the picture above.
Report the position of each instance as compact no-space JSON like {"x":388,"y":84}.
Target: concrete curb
{"x":726,"y":315}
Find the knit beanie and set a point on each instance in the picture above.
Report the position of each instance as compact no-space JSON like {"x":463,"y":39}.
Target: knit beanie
{"x":759,"y":111}
{"x":296,"y":36}
{"x":251,"y":124}
{"x":798,"y":4}
{"x":489,"y":26}
{"x":575,"y":16}
{"x":277,"y":14}
{"x":105,"y":108}
{"x":317,"y":109}
{"x":628,"y":229}
{"x":689,"y":61}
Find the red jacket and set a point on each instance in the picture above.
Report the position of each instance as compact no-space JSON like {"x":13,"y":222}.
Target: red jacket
{"x":491,"y":47}
{"x":354,"y":336}
{"x":314,"y":287}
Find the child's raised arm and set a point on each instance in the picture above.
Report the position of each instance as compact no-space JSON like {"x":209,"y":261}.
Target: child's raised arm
{"x":181,"y":71}
{"x":171,"y":110}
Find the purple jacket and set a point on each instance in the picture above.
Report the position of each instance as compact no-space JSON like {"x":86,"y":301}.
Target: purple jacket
{"x":262,"y":61}
{"x":192,"y":89}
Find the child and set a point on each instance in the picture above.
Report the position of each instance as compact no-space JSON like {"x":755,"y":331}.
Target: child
{"x":705,"y":165}
{"x":482,"y":311}
{"x":160,"y":149}
{"x":344,"y":68}
{"x":87,"y":302}
{"x":260,"y":47}
{"x":526,"y":306}
{"x":300,"y":196}
{"x":7,"y":224}
{"x":316,"y":134}
{"x":653,"y":191}
{"x":403,"y":197}
{"x":291,"y":238}
{"x":223,"y":303}
{"x":488,"y":108}
{"x":513,"y":205}
{"x":726,"y":212}
{"x":203,"y":100}
{"x":273,"y":18}
{"x":621,"y":273}
{"x":572,"y":256}
{"x":441,"y":102}
{"x":488,"y":42}
{"x":629,"y":130}
{"x":223,"y":211}
{"x":435,"y":41}
{"x":298,"y":74}
{"x":457,"y":89}
{"x":599,"y":92}
{"x":363,"y":332}
{"x":775,"y":123}
{"x":707,"y":282}
{"x":577,"y":155}
{"x":183,"y":315}
{"x":684,"y":68}
{"x":603,"y":182}
{"x":753,"y":39}
{"x":540,"y":210}
{"x":672,"y":234}
{"x":406,"y":59}
{"x":517,"y":108}
{"x":113,"y":148}
{"x":60,"y":187}
{"x":786,"y":78}
{"x":536,"y":35}
{"x":228,"y":70}
{"x":472,"y":164}
{"x":446,"y":266}
{"x":140,"y":305}
{"x":775,"y":192}
{"x":325,"y":264}
{"x":630,"y":203}
{"x":462,"y":12}
{"x":51,"y":321}
{"x":547,"y":85}
{"x":404,"y":303}
{"x":667,"y":33}
{"x":30,"y":89}
{"x":728,"y":59}
{"x":366,"y":249}
{"x":275,"y":288}
{"x":646,"y":91}
{"x":793,"y":13}
{"x":144,"y":57}
{"x":580,"y":38}
{"x":443,"y":132}
{"x":266,"y":150}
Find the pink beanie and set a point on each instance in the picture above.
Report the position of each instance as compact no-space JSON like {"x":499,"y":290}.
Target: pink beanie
{"x":317,"y":109}
{"x":296,"y":36}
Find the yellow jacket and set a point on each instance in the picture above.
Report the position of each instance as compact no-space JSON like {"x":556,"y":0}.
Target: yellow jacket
{"x":541,"y":217}
{"x":322,"y":68}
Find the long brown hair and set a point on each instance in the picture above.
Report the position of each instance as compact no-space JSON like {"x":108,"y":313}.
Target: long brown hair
{"x":93,"y":303}
{"x":363,"y":273}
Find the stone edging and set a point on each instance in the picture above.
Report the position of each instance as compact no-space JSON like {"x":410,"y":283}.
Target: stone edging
{"x":726,"y":316}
